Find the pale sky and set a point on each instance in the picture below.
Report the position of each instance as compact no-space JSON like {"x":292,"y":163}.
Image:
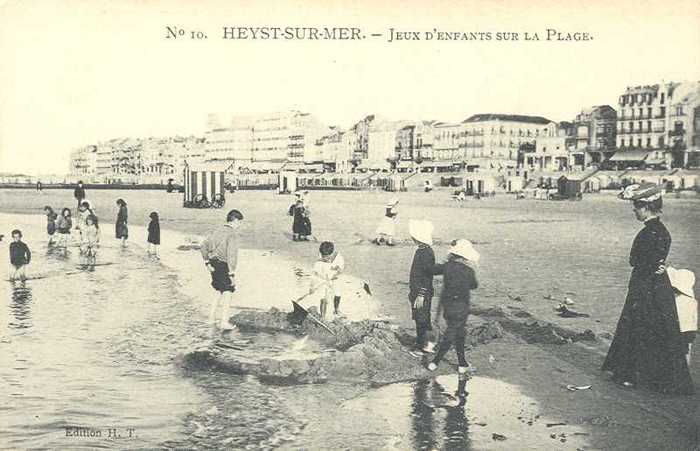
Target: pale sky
{"x":76,"y":72}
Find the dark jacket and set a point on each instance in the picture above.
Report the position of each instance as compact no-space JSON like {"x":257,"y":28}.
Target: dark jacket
{"x":458,"y":281}
{"x":154,"y":232}
{"x":19,"y":253}
{"x":650,"y":247}
{"x":79,"y":193}
{"x":422,"y":270}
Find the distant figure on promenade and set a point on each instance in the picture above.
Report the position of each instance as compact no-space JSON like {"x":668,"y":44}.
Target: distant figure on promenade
{"x":301,"y":224}
{"x":20,"y":256}
{"x":121,"y":230}
{"x":63,"y":227}
{"x":220,"y":254}
{"x":79,"y":193}
{"x":648,"y":348}
{"x":387,"y":226}
{"x":153,"y":235}
{"x":421,"y":282}
{"x":51,"y":217}
{"x":39,"y":188}
{"x":89,"y":241}
{"x":459,"y":279}
{"x":428,"y":187}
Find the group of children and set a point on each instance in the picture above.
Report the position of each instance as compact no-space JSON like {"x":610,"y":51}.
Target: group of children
{"x":59,"y":228}
{"x":458,"y":271}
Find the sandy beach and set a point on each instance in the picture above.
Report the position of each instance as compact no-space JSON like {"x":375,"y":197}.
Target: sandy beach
{"x":535,"y":254}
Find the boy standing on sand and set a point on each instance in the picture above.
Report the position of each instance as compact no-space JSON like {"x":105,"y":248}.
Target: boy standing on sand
{"x":220,"y":254}
{"x":20,"y":256}
{"x":421,"y":282}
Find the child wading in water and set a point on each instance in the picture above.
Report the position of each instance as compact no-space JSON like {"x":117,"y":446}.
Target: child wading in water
{"x":63,"y":226}
{"x":20,"y":256}
{"x":51,"y":217}
{"x":325,"y":272}
{"x":153,"y":235}
{"x":387,"y":227}
{"x":459,"y":274}
{"x":90,"y":240}
{"x":421,"y":282}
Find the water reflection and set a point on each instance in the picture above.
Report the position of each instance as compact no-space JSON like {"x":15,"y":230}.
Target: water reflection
{"x":456,"y":424}
{"x":430,"y":400}
{"x":21,"y":306}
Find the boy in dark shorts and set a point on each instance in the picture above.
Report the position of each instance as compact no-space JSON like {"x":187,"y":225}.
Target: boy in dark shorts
{"x":20,"y":256}
{"x":220,"y":254}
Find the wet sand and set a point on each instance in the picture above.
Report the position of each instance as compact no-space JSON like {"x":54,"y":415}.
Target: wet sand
{"x":530,"y":250}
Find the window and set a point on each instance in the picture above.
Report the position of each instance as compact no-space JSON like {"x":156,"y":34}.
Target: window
{"x":662,"y":112}
{"x":648,"y":142}
{"x":649,"y":111}
{"x":640,"y":126}
{"x":679,"y":110}
{"x":663,"y":96}
{"x":639,"y":142}
{"x":661,"y":141}
{"x":648,"y":126}
{"x":641,"y":112}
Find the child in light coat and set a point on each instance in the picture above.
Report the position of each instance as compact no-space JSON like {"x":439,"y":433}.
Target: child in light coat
{"x":682,"y":281}
{"x":324,"y":278}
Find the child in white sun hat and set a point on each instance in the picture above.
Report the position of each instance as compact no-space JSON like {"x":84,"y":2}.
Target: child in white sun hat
{"x":387,"y":226}
{"x":682,"y":281}
{"x":459,"y":278}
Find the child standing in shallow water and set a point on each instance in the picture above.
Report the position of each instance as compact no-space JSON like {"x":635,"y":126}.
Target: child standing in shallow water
{"x":90,"y":241}
{"x":51,"y":217}
{"x":20,"y":256}
{"x":154,"y":235}
{"x":63,"y":227}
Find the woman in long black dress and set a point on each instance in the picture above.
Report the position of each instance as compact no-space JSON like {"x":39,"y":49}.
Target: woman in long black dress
{"x":121,"y":228}
{"x":648,"y":349}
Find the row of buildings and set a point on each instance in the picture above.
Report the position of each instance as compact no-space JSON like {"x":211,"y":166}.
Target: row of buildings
{"x":652,"y":126}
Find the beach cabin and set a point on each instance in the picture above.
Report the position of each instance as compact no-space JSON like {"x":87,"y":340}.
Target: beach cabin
{"x":204,"y":183}
{"x":287,"y":182}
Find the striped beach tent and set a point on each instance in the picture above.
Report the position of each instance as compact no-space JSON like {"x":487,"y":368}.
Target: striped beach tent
{"x":206,"y":178}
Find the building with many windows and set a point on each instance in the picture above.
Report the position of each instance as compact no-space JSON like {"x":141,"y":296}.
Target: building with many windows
{"x":594,"y":131}
{"x":493,"y":140}
{"x":684,"y":125}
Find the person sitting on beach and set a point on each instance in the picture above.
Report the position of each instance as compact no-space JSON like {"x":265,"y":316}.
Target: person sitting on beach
{"x":20,"y":256}
{"x":325,"y":272}
{"x":421,"y":282}
{"x":153,"y":235}
{"x":90,"y":239}
{"x":63,"y":227}
{"x":51,"y":217}
{"x":387,"y":226}
{"x":220,"y":254}
{"x":459,"y":279}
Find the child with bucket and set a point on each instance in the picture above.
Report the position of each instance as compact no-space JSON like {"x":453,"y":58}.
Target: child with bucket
{"x":459,"y":276}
